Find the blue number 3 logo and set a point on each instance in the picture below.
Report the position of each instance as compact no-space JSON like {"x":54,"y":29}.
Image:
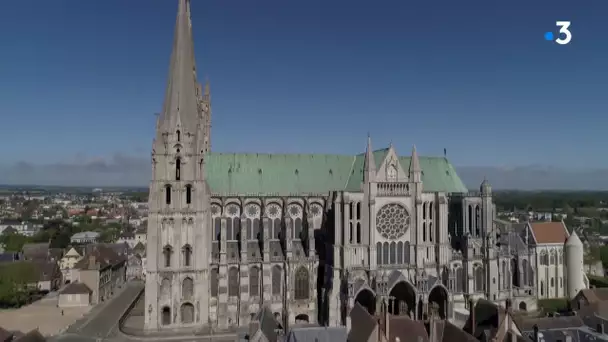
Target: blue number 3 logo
{"x":565,"y":36}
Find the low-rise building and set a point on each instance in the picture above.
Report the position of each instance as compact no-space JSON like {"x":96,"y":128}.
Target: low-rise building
{"x":85,"y":237}
{"x":68,"y":263}
{"x":134,"y":267}
{"x":74,"y":294}
{"x":103,"y":271}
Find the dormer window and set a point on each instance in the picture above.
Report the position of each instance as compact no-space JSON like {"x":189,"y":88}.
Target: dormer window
{"x":178,"y":169}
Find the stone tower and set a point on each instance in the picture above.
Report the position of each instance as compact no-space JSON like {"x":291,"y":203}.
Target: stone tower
{"x":574,"y":265}
{"x":177,"y":287}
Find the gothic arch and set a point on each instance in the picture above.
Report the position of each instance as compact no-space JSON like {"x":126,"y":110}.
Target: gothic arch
{"x":439,"y":295}
{"x":477,"y":221}
{"x":366,"y":297}
{"x":470,"y":219}
{"x":479,"y":276}
{"x":214,"y":281}
{"x":187,"y":255}
{"x":233,"y":282}
{"x":405,"y":298}
{"x":166,"y":315}
{"x":165,"y":287}
{"x":254,"y":281}
{"x":459,"y":279}
{"x":302,"y":284}
{"x":187,"y":288}
{"x":379,"y":253}
{"x":187,"y":313}
{"x":167,"y":255}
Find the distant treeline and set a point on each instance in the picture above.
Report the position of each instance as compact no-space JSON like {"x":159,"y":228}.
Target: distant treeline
{"x":549,"y":200}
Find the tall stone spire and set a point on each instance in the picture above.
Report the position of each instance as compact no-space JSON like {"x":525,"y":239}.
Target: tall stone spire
{"x":181,"y":106}
{"x":370,"y":162}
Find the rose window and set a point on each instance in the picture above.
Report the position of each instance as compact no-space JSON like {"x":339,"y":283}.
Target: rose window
{"x":294,"y":210}
{"x":215,"y":210}
{"x":392,"y":221}
{"x":253,"y":210}
{"x":232,"y":209}
{"x":273,"y":211}
{"x":315,"y":210}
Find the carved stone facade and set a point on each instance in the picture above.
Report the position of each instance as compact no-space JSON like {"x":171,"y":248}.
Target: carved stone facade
{"x":308,"y":235}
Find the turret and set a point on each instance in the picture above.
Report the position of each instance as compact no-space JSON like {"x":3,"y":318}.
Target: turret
{"x":575,"y":273}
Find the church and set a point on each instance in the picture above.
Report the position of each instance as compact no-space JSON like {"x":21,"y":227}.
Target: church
{"x":308,"y":235}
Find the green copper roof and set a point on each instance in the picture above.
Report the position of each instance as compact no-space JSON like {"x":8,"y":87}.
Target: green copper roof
{"x":258,"y":174}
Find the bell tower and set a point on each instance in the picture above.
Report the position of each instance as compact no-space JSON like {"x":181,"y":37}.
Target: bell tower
{"x":179,"y":235}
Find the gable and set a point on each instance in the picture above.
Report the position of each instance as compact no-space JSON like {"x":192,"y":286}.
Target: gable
{"x":260,"y":174}
{"x":391,"y":167}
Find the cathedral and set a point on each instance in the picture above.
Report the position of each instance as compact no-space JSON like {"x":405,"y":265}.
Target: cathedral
{"x":308,"y":235}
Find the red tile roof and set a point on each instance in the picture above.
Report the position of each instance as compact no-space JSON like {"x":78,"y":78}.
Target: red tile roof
{"x":549,"y":232}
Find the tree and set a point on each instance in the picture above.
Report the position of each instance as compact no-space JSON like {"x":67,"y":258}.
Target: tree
{"x":13,"y":242}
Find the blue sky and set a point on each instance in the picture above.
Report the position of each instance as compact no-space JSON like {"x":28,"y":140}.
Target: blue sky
{"x":80,"y":81}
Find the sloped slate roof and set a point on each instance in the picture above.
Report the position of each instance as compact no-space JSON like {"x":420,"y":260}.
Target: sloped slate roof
{"x":259,"y":174}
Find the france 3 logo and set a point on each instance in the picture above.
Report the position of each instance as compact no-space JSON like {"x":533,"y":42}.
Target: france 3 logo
{"x":563,"y":36}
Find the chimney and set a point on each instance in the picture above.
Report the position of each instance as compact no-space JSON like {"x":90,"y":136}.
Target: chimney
{"x":535,"y":333}
{"x":91,"y":262}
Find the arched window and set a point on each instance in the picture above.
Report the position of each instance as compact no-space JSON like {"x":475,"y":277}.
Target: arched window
{"x":479,"y":279}
{"x":297,"y":228}
{"x":277,"y":228}
{"x":249,"y":229}
{"x":424,"y":211}
{"x":188,"y":194}
{"x":385,"y":251}
{"x":165,"y":287}
{"x":379,"y":253}
{"x":167,"y":251}
{"x":168,"y":194}
{"x":350,"y":227}
{"x":358,"y":210}
{"x":358,"y":232}
{"x":236,"y":228}
{"x":406,"y":252}
{"x":301,"y":286}
{"x":276,"y":280}
{"x":218,"y":228}
{"x":552,"y":258}
{"x":187,"y":288}
{"x":423,"y":231}
{"x":505,"y":276}
{"x":233,"y":282}
{"x":179,"y":135}
{"x":393,"y":252}
{"x":477,"y":221}
{"x":459,"y":279}
{"x":256,"y":229}
{"x":254,"y":281}
{"x":178,"y":169}
{"x":431,"y":231}
{"x":400,"y":252}
{"x":552,"y":282}
{"x":542,"y":288}
{"x":215,"y":281}
{"x":187,"y":250}
{"x":470,"y":218}
{"x":431,"y":212}
{"x":350,"y":212}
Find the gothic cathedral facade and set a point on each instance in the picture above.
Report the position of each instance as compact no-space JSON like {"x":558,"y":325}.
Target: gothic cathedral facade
{"x":305,"y":235}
